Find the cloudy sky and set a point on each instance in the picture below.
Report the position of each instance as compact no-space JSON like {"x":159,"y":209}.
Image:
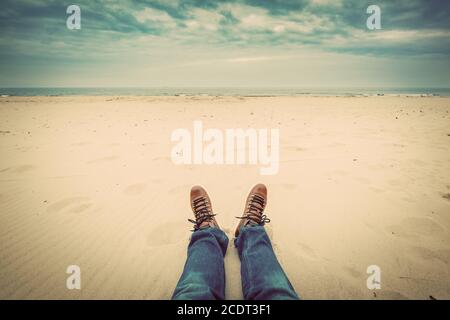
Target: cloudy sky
{"x":293,"y":43}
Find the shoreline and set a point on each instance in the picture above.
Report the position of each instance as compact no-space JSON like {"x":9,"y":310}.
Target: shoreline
{"x":5,"y":97}
{"x":228,"y":92}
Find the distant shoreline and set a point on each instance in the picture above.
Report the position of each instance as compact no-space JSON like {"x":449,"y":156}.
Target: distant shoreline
{"x":3,"y":97}
{"x":239,"y":96}
{"x":193,"y":98}
{"x":228,"y":92}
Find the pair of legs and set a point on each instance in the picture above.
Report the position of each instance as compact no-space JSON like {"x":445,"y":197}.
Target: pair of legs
{"x":203,"y":277}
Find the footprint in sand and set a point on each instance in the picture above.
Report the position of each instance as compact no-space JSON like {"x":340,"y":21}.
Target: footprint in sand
{"x":294,"y":148}
{"x":395,"y":182}
{"x":402,"y":232}
{"x":427,"y":254}
{"x":363,"y":180}
{"x":377,"y":167}
{"x":391,"y":295}
{"x":161,"y":159}
{"x":336,"y":145}
{"x":177,"y":189}
{"x":444,"y":254}
{"x":80,"y":208}
{"x":289,"y":186}
{"x":172,"y":233}
{"x":80,"y":144}
{"x":22,"y":169}
{"x":446,"y":196}
{"x":307,"y":251}
{"x":353,"y":272}
{"x":377,"y":190}
{"x":418,"y":162}
{"x":135,"y":189}
{"x":412,"y":227}
{"x":18,"y":169}
{"x":72,"y":205}
{"x":340,"y":173}
{"x":423,"y":226}
{"x":104,"y":159}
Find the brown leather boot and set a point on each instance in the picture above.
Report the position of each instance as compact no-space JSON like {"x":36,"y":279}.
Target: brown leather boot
{"x":254,"y":208}
{"x":201,"y":206}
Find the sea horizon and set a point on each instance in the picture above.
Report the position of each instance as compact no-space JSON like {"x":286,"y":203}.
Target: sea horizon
{"x":221,"y":91}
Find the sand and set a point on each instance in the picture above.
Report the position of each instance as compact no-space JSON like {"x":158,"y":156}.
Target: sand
{"x":89,"y":181}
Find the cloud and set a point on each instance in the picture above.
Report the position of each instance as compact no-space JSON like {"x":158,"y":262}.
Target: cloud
{"x":165,"y":32}
{"x":253,"y":22}
{"x":256,"y":59}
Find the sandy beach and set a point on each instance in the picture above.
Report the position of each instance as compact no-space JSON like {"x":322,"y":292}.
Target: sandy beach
{"x":89,"y":181}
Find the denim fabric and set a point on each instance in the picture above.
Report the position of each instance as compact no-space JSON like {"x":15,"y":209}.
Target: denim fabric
{"x":261,"y":274}
{"x":203,"y":277}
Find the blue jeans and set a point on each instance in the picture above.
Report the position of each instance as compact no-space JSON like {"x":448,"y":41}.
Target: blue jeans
{"x":203,"y":276}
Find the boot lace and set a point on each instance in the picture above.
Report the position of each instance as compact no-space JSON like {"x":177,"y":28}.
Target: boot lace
{"x":202,"y":212}
{"x":255,"y":209}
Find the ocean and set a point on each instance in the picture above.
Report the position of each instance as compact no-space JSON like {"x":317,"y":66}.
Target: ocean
{"x":222,"y":91}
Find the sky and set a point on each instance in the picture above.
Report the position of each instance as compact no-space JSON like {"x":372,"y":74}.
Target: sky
{"x":215,"y":43}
